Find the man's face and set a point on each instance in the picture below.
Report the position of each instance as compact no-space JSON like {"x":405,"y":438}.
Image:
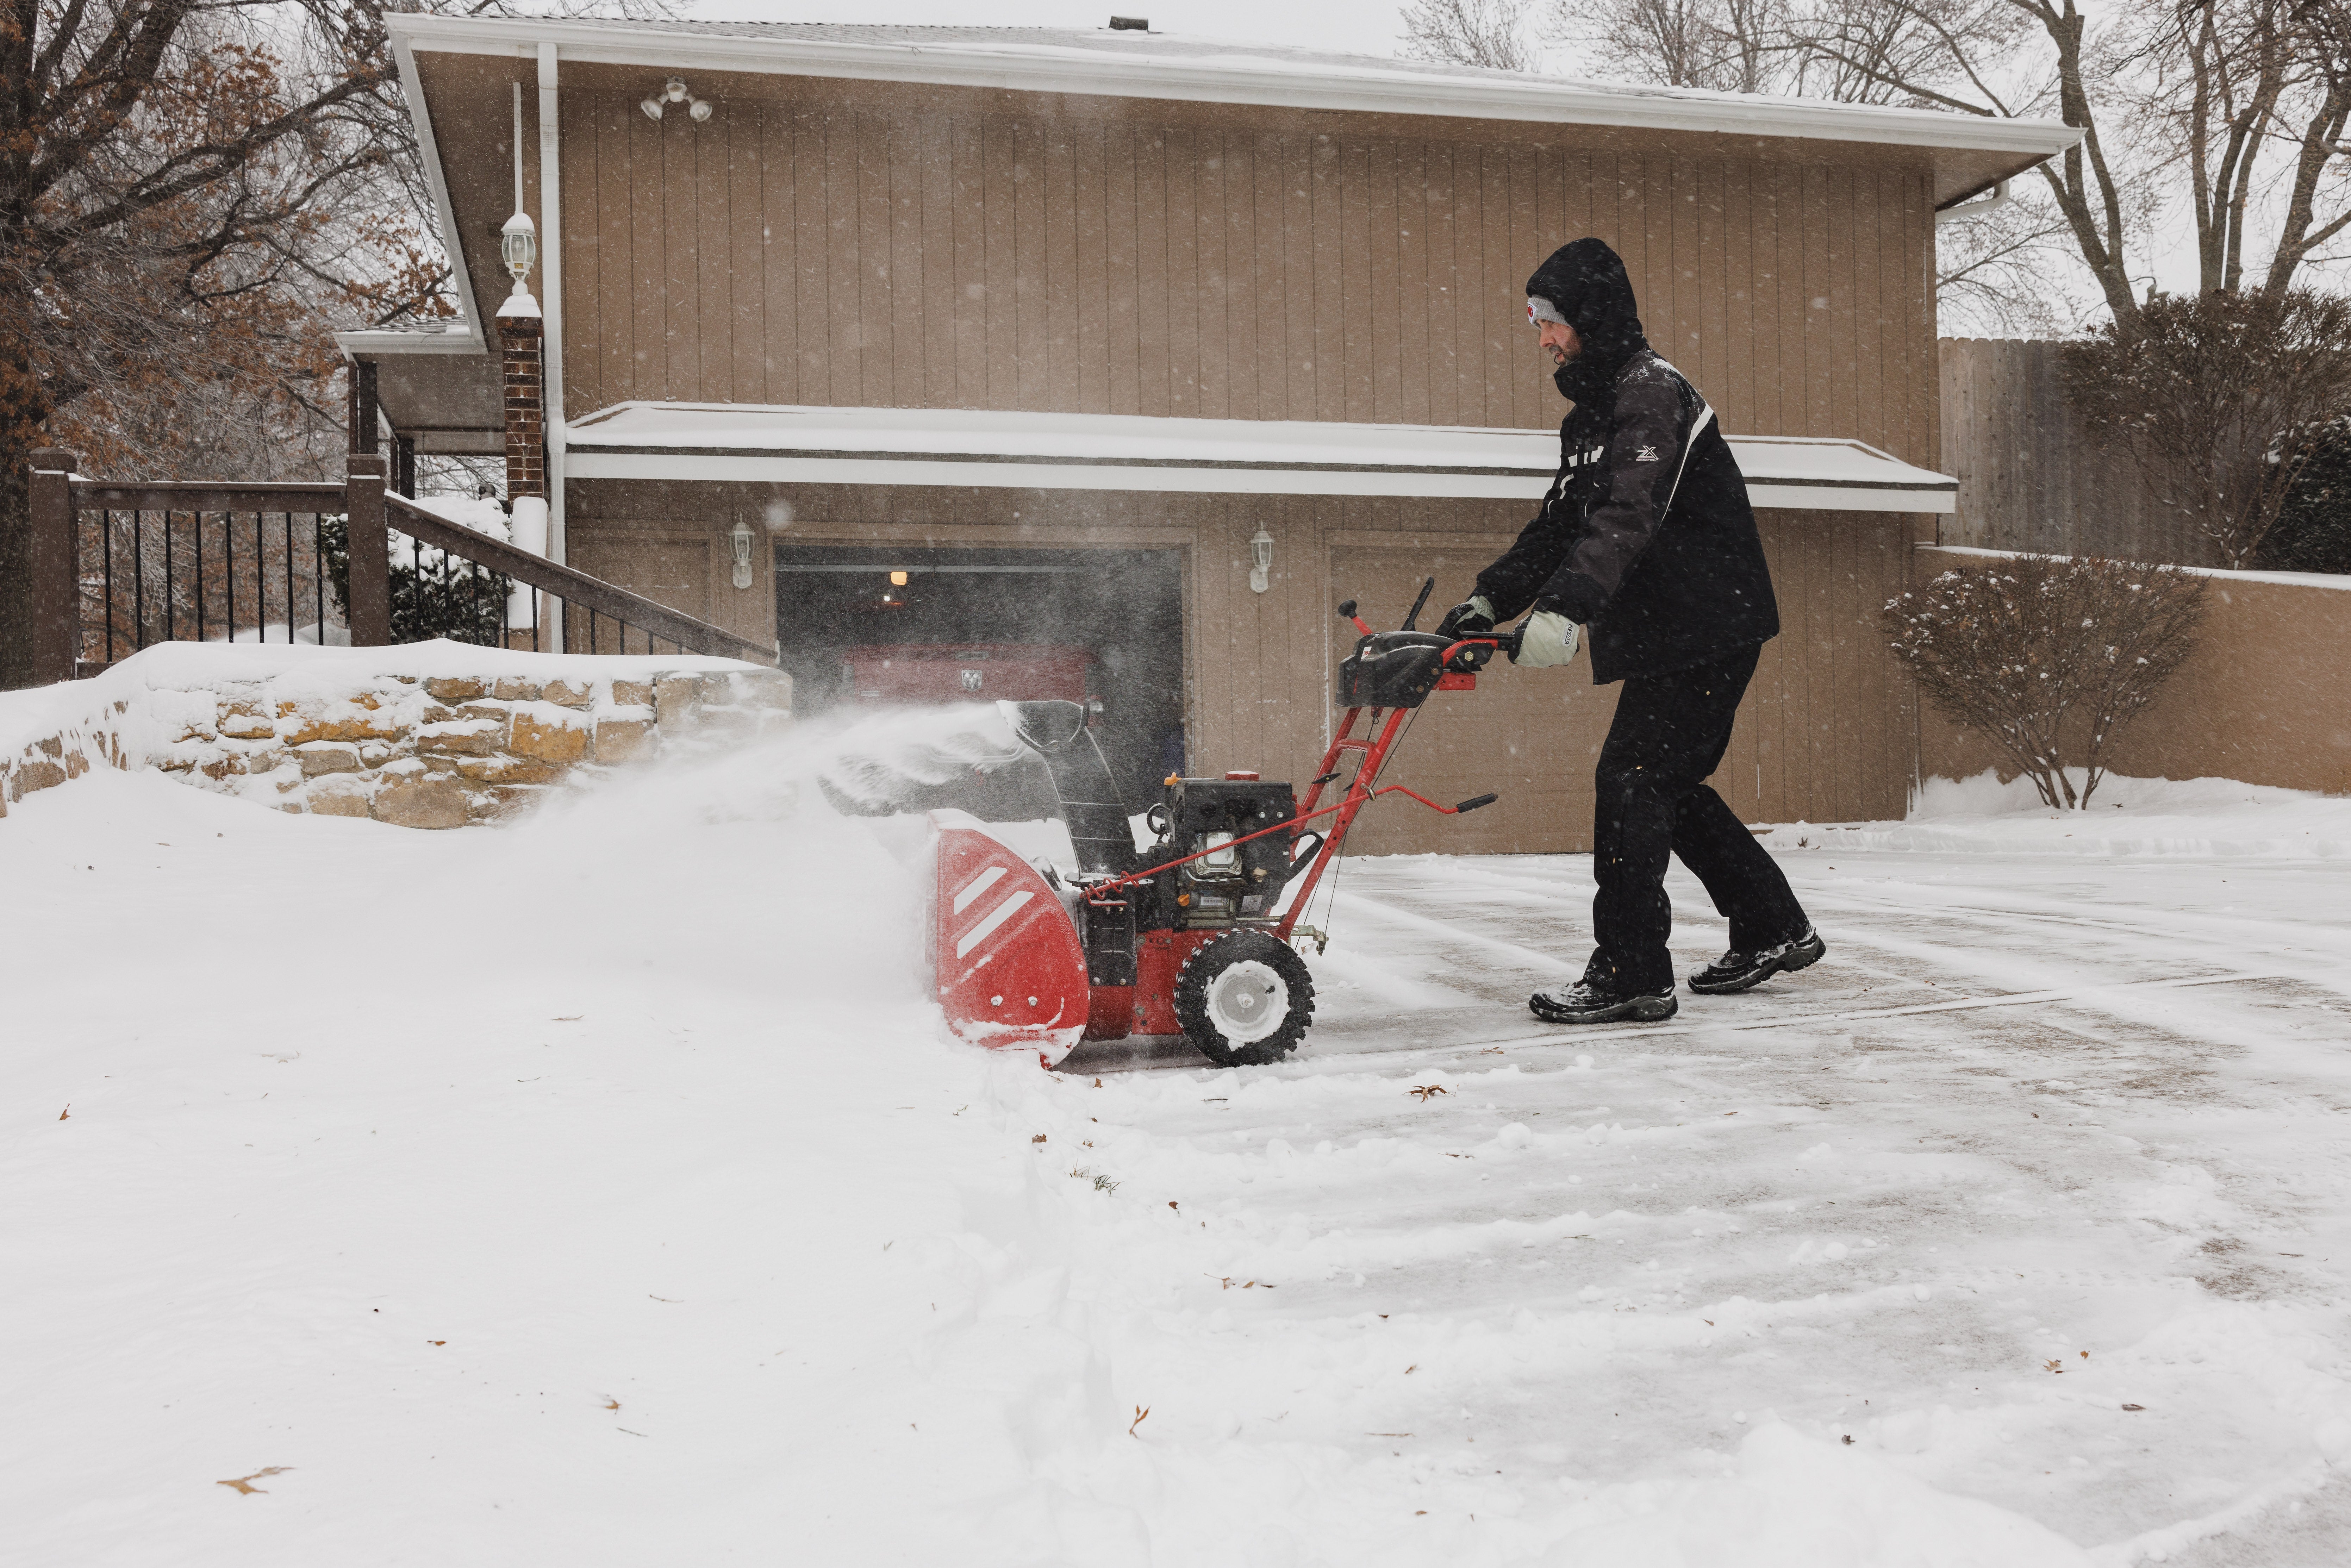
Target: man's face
{"x":1559,"y":340}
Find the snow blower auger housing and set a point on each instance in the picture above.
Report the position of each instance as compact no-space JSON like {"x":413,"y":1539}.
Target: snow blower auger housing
{"x":1193,"y":935}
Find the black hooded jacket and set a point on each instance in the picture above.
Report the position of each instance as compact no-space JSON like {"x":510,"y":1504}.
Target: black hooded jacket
{"x":1645,"y":537}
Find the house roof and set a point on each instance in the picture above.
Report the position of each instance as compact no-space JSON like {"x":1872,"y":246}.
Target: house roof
{"x":776,"y":443}
{"x":1132,"y":64}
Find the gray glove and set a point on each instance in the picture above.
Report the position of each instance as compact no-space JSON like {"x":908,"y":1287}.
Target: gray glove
{"x":1546,"y":639}
{"x":1473,"y":617}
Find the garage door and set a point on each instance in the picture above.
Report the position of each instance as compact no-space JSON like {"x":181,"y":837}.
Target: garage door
{"x":1529,"y":735}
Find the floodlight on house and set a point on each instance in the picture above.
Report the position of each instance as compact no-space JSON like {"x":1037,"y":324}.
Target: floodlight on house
{"x":674,"y":92}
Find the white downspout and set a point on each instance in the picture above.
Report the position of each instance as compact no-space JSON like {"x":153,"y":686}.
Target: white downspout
{"x":551,"y":284}
{"x":1998,"y":198}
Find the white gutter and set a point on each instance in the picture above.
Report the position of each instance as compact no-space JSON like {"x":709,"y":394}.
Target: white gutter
{"x":1219,"y":77}
{"x":550,"y":283}
{"x":460,"y":338}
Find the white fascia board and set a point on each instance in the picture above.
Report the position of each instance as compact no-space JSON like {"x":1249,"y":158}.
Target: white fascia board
{"x":377,"y":345}
{"x":1268,"y":81}
{"x":670,"y":443}
{"x":582,"y":462}
{"x":430,"y":150}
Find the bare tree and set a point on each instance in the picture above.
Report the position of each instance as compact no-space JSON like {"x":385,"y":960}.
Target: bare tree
{"x":1487,"y":32}
{"x":2046,"y":655}
{"x":2219,"y":401}
{"x":1992,"y":270}
{"x":1727,"y":46}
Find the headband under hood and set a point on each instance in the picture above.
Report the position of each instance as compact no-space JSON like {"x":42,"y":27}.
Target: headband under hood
{"x":1587,"y":281}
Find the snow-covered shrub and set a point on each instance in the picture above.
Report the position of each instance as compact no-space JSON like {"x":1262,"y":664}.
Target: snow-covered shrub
{"x":2040,"y":653}
{"x":2220,"y":401}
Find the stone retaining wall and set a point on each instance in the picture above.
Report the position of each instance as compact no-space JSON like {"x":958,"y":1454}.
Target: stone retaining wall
{"x":332,"y":734}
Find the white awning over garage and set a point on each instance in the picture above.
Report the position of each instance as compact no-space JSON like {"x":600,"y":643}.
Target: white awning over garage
{"x":783,"y":445}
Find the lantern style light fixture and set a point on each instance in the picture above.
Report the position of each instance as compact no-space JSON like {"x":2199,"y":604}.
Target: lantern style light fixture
{"x":1262,"y":553}
{"x":519,"y":240}
{"x":674,"y":91}
{"x":518,"y":245}
{"x":741,"y":539}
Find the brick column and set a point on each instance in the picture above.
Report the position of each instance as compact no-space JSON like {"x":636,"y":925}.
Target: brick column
{"x":520,"y":336}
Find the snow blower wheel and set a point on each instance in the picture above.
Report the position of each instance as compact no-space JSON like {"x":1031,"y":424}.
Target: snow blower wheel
{"x":1244,"y":1001}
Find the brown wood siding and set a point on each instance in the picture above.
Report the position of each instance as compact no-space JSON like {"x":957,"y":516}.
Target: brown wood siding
{"x":1827,"y":732}
{"x":815,"y":252}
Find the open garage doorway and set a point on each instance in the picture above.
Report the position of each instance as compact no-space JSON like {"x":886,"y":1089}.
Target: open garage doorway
{"x":878,"y":625}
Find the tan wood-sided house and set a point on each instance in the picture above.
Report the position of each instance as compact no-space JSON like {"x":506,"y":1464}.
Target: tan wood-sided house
{"x":1163,"y":347}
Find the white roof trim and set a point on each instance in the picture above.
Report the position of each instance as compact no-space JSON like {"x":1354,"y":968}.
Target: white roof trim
{"x":462,"y":337}
{"x":776,"y":443}
{"x":1286,"y":78}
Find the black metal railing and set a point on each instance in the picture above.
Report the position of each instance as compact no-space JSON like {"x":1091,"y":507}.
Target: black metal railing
{"x":595,"y":616}
{"x":155,"y":566}
{"x":114,"y":567}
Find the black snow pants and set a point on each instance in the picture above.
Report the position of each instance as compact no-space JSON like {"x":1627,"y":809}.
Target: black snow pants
{"x":1669,"y":735}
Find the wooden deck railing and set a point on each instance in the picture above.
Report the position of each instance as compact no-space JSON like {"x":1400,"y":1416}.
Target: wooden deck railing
{"x":113,"y":567}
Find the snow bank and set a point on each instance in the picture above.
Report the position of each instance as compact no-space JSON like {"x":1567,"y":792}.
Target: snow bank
{"x":2126,"y":818}
{"x":424,"y":735}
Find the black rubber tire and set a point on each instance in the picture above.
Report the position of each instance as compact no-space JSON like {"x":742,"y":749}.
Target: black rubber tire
{"x":1194,"y":985}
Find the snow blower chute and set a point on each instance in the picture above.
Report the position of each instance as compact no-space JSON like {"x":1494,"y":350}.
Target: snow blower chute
{"x":1192,"y":935}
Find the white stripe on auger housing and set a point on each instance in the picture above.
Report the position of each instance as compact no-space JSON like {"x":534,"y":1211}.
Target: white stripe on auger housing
{"x":976,"y":887}
{"x":996,"y":917}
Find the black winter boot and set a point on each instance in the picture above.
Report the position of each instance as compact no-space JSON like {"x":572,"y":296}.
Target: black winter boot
{"x":1585,"y":1002}
{"x":1745,"y":971}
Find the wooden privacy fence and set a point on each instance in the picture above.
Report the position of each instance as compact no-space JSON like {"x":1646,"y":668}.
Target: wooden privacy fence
{"x":113,"y":568}
{"x":2031,"y":478}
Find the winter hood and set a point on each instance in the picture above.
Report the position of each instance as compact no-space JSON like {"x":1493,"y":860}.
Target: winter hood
{"x":1586,"y":281}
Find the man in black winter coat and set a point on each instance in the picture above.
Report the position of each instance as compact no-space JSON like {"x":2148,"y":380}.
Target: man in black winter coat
{"x":1646,"y":543}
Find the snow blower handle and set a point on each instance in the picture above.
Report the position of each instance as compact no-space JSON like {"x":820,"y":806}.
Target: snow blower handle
{"x":1412,"y":616}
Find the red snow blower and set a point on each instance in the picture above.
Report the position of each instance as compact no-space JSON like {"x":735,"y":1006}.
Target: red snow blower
{"x":1193,"y":935}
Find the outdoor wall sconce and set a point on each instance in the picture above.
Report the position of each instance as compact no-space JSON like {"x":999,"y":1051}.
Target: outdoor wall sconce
{"x":741,"y":540}
{"x":1261,"y":551}
{"x":519,"y":240}
{"x":519,"y":245}
{"x":674,"y":91}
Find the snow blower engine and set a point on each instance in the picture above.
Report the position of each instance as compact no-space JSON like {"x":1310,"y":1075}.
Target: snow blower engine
{"x":1193,"y":935}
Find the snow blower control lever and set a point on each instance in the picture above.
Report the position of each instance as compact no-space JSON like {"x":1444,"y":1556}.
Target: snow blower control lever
{"x":1192,"y":935}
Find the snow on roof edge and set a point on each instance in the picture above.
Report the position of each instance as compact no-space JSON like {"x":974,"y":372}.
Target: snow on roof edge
{"x":1216,"y":71}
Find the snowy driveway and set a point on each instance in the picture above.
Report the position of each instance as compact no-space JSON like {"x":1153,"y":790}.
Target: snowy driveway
{"x":2044,"y":1139}
{"x":476,"y":1200}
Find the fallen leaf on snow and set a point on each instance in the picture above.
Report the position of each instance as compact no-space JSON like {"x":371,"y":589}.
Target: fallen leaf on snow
{"x":244,"y":1484}
{"x":1141,"y":1411}
{"x":1425,"y":1090}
